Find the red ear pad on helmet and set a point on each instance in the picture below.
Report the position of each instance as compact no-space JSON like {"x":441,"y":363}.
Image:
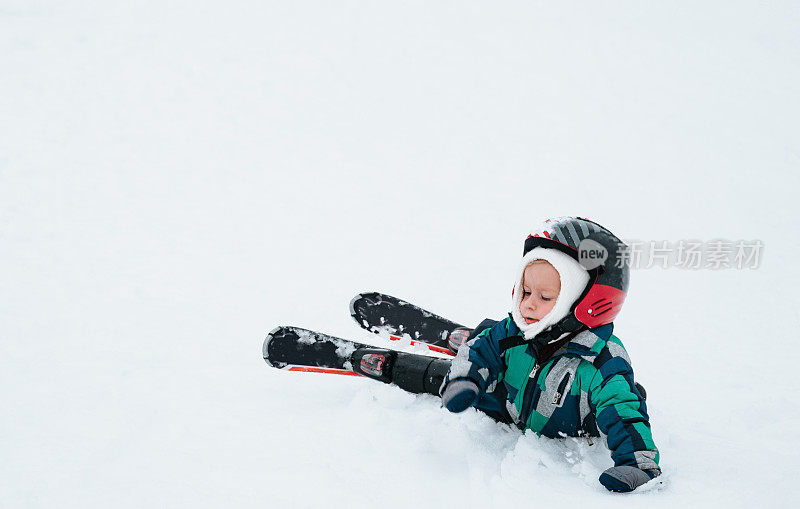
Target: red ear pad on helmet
{"x":600,"y":305}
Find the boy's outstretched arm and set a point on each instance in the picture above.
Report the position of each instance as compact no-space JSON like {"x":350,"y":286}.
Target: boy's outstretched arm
{"x":621,"y":415}
{"x":475,"y":370}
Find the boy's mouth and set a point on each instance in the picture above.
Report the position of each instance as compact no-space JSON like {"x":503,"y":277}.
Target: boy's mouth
{"x":530,"y":320}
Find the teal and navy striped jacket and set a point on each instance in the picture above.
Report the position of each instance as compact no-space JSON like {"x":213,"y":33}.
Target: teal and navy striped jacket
{"x":586,"y":388}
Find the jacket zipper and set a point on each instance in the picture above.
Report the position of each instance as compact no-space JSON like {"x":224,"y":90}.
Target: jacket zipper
{"x":561,"y":389}
{"x":527,"y":398}
{"x":530,"y":389}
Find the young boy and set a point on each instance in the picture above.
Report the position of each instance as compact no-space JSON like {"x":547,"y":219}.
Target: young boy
{"x":554,"y":366}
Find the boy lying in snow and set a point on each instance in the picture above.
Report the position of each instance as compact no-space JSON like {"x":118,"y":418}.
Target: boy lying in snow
{"x":554,"y":366}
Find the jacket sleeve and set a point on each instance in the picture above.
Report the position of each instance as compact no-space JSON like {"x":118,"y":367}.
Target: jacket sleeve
{"x":479,"y":359}
{"x":620,"y":411}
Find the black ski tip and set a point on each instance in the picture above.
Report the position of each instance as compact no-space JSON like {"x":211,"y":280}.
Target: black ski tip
{"x":265,"y":348}
{"x":357,"y":316}
{"x":381,"y":313}
{"x":353,"y":301}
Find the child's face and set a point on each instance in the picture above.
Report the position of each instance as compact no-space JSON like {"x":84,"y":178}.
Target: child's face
{"x":540,"y":288}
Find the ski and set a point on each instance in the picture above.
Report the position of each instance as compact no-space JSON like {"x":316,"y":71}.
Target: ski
{"x":393,"y":318}
{"x":296,"y":349}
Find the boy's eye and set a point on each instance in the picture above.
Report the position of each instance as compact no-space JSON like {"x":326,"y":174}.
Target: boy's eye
{"x":546,"y":299}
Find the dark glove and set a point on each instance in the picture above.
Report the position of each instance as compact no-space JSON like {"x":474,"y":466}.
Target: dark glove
{"x":625,"y":478}
{"x":459,"y":395}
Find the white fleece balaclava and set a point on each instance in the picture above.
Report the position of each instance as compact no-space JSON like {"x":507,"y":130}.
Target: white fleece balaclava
{"x":573,"y":281}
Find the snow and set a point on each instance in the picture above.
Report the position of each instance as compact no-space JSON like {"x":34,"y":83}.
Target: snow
{"x":176,"y":179}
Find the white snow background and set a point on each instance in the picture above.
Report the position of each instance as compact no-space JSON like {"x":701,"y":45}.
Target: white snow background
{"x":178,"y":178}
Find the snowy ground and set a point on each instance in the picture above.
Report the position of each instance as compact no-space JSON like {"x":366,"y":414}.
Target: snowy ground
{"x":178,"y":178}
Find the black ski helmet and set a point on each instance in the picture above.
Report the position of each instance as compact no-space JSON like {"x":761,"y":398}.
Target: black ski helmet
{"x":603,"y":255}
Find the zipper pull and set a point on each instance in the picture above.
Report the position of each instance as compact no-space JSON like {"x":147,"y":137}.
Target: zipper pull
{"x":535,"y":370}
{"x":562,"y":389}
{"x":585,"y":434}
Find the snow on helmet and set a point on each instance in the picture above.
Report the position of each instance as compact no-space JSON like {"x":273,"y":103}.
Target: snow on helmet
{"x":592,"y":297}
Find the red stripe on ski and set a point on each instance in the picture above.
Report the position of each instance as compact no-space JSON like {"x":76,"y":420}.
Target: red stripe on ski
{"x":431,"y":347}
{"x":332,"y":371}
